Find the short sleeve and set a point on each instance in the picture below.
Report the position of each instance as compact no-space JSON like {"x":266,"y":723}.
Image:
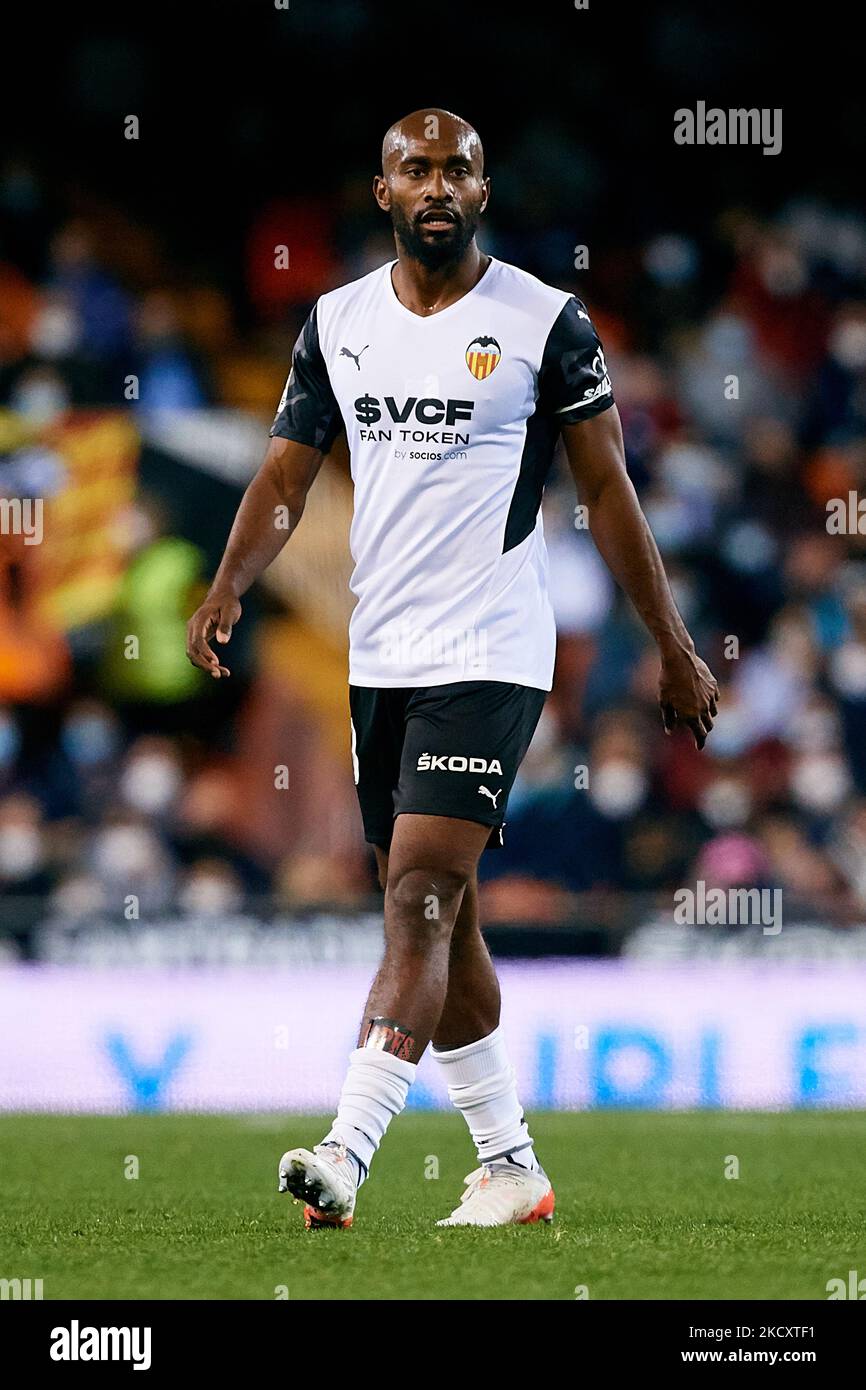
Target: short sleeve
{"x":308,"y":411}
{"x":573,"y":381}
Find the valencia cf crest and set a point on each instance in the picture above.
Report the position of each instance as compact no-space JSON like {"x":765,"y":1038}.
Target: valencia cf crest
{"x":482,"y":357}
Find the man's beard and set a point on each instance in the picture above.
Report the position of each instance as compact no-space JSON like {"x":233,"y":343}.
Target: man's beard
{"x":433,"y":255}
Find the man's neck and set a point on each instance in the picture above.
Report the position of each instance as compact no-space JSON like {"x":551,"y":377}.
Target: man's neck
{"x":427,"y":291}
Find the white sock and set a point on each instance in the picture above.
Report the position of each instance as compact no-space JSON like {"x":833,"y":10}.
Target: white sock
{"x":482,"y":1085}
{"x":374,"y":1091}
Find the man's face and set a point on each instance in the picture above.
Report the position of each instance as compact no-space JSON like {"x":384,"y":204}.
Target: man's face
{"x":435,"y":192}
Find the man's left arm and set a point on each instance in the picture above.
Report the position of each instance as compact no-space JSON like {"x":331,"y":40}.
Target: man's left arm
{"x":688,"y":690}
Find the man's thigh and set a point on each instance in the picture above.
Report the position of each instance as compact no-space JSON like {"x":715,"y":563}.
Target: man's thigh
{"x":382,"y":865}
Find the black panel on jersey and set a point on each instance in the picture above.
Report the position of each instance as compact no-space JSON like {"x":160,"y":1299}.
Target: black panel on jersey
{"x":308,"y":411}
{"x":573,"y":385}
{"x":542,"y":432}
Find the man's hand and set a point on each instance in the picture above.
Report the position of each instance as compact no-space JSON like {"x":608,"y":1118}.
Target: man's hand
{"x":215,"y":618}
{"x":280,"y":486}
{"x":688,"y":690}
{"x":688,"y":693}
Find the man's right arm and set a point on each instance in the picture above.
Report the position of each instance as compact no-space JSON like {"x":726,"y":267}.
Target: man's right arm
{"x":306,"y":425}
{"x":271,"y":508}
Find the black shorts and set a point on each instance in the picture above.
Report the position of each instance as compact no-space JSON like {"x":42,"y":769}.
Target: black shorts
{"x":439,"y":750}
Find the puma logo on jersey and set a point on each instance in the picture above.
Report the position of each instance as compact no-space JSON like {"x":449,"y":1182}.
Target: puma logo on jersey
{"x":355,"y":356}
{"x":429,"y":762}
{"x":484,"y":792}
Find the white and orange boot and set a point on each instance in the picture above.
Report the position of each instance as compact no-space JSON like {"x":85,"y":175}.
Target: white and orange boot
{"x":503,"y":1194}
{"x":325,"y":1180}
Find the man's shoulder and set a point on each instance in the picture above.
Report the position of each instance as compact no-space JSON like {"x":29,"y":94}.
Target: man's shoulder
{"x":526,"y":291}
{"x":336,"y":300}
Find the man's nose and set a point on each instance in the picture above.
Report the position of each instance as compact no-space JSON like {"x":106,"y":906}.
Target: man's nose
{"x":437,"y":186}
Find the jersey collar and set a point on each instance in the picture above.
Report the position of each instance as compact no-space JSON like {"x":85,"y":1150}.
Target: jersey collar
{"x":441,"y":313}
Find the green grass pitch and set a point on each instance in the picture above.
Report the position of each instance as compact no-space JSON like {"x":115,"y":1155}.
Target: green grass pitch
{"x":644,"y":1210}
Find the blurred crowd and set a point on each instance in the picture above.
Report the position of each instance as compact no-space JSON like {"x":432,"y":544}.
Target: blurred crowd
{"x":739,"y":368}
{"x":742,"y":422}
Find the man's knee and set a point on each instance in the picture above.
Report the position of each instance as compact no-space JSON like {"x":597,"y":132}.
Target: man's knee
{"x":427,"y":897}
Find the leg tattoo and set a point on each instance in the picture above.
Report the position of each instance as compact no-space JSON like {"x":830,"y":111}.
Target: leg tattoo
{"x":389,"y":1036}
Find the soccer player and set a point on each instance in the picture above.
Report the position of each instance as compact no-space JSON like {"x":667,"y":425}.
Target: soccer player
{"x":453,"y":375}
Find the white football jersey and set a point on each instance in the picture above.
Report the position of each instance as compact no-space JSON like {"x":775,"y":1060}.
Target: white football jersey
{"x":451,"y":423}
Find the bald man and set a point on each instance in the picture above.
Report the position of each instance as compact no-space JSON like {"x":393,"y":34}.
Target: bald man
{"x":454,"y":375}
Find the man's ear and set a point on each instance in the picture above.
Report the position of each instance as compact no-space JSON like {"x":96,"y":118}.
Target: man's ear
{"x":486,"y":186}
{"x":381,"y":193}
